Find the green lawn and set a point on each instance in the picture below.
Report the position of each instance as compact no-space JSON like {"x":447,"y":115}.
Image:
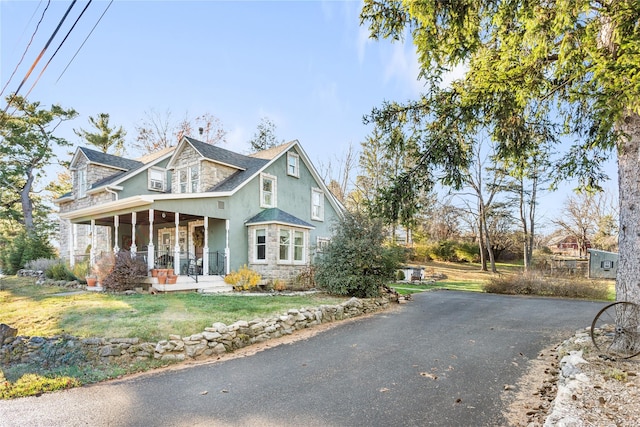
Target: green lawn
{"x":49,"y":310}
{"x":459,"y":285}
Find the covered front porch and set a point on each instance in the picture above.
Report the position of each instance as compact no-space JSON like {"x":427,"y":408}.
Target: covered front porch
{"x":196,"y":247}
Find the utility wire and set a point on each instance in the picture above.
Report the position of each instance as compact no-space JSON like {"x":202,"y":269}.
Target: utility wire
{"x":26,"y":49}
{"x":85,"y":40}
{"x":41,"y":54}
{"x":59,"y":46}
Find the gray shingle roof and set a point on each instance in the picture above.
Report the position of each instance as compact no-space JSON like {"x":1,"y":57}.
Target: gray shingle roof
{"x":110,"y":160}
{"x":277,"y":215}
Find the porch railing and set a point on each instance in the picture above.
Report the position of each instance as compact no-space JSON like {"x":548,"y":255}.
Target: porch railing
{"x":189,"y":264}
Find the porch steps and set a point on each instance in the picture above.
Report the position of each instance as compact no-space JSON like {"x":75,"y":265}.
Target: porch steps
{"x":206,"y":284}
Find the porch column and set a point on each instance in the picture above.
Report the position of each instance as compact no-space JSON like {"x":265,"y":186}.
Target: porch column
{"x":134,"y":248}
{"x":227,"y":252}
{"x":150,"y":248}
{"x":116,"y":225}
{"x":92,"y":252}
{"x":205,"y":249}
{"x":71,"y":243}
{"x":176,"y":248}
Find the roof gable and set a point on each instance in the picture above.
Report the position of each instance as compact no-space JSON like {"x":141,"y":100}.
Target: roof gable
{"x":104,"y":159}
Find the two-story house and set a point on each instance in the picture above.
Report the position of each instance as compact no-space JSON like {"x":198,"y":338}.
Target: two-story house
{"x":204,"y":209}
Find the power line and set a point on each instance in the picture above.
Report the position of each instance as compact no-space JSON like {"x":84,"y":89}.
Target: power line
{"x":85,"y":40}
{"x":27,"y":48}
{"x":59,"y":46}
{"x":41,"y":54}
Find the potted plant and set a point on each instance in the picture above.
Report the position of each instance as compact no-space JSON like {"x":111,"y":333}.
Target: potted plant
{"x":91,"y":280}
{"x":169,"y":268}
{"x":162,"y":277}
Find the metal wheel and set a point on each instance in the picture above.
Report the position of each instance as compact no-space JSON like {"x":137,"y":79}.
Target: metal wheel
{"x":615,"y":330}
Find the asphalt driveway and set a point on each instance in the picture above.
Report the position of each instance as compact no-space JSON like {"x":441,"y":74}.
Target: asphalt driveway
{"x":442,"y":360}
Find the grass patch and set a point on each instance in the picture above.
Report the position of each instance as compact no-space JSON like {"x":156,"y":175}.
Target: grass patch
{"x":37,"y":310}
{"x":41,"y":311}
{"x":535,"y":284}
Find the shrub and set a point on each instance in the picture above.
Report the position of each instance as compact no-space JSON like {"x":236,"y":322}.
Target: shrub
{"x":533,"y":284}
{"x":41,"y":264}
{"x":23,"y":248}
{"x":305,"y":280}
{"x":59,"y":271}
{"x":81,"y":270}
{"x":400,"y":275}
{"x":103,"y":266}
{"x":441,"y":251}
{"x":243,"y":280}
{"x":420,"y":253}
{"x":356,"y":262}
{"x":126,"y":272}
{"x":468,"y":252}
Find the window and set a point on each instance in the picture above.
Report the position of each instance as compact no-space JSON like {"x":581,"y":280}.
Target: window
{"x":292,"y":164}
{"x":189,"y":180}
{"x":298,"y":246}
{"x":261,"y":244}
{"x":291,"y":246}
{"x":195,"y":179}
{"x":182,"y":180}
{"x":317,"y":204}
{"x":322,"y":244}
{"x":157,"y":178}
{"x":267,"y":191}
{"x":82,"y":182}
{"x":285,"y":244}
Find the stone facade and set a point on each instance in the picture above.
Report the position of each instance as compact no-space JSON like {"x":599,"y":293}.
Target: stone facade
{"x":271,"y":268}
{"x":220,"y":338}
{"x":210,"y":173}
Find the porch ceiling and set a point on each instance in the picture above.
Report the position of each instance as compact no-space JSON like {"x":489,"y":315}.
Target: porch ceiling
{"x":142,"y":218}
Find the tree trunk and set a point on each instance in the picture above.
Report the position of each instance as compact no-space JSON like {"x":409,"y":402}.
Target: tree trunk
{"x":27,"y":204}
{"x":627,"y":280}
{"x":481,"y":240}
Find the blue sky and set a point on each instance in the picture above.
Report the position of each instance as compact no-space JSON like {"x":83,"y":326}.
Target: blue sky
{"x":307,"y":65}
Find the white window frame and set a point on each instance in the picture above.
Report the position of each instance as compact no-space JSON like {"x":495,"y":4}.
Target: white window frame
{"x":296,"y":166}
{"x":188,"y":184}
{"x":152,"y":182}
{"x":256,"y":244}
{"x":264,"y":203}
{"x":322,"y":243}
{"x":81,"y":175}
{"x":291,"y":246}
{"x":317,"y":214}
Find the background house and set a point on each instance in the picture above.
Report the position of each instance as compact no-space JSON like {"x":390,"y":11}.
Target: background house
{"x":204,"y":209}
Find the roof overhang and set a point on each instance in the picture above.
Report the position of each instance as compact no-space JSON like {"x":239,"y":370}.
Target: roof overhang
{"x":105,"y":208}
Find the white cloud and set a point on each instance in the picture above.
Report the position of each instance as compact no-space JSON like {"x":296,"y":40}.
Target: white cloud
{"x":402,"y":65}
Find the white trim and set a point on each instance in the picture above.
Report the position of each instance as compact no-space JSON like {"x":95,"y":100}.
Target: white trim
{"x":291,"y":246}
{"x":296,"y":172}
{"x":152,"y":183}
{"x":274,"y":191}
{"x":254,"y":251}
{"x":320,"y":215}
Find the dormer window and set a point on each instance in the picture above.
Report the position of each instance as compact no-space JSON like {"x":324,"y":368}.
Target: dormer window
{"x":81,"y":175}
{"x":293,"y":162}
{"x":157,"y":179}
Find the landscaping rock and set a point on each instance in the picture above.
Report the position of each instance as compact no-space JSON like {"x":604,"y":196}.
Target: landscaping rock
{"x":7,"y":331}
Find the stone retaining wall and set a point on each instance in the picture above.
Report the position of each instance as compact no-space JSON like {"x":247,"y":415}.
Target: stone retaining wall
{"x":64,"y":350}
